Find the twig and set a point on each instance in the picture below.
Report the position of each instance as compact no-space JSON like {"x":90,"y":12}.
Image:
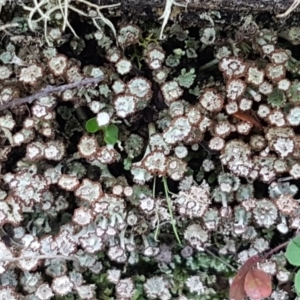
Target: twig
{"x":16,"y":259}
{"x":279,"y":247}
{"x":283,"y":179}
{"x":49,"y":90}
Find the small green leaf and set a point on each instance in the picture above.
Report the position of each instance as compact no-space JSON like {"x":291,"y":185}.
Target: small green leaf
{"x":293,"y":92}
{"x":189,"y":172}
{"x":297,"y":282}
{"x":211,"y":178}
{"x":293,"y":252}
{"x":111,"y":134}
{"x":92,"y":126}
{"x":127,"y":163}
{"x":277,"y":98}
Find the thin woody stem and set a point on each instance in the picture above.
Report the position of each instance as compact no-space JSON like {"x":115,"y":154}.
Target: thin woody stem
{"x":49,"y":90}
{"x":281,"y":246}
{"x":220,"y":259}
{"x":16,"y":259}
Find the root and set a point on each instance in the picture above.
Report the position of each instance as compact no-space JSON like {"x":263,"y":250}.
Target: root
{"x":65,"y":6}
{"x":289,"y":10}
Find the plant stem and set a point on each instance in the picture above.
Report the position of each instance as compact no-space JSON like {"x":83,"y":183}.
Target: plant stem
{"x":220,"y":259}
{"x":154,"y":187}
{"x":170,"y":209}
{"x":209,"y":64}
{"x":156,"y":233}
{"x":156,"y":213}
{"x":275,"y":249}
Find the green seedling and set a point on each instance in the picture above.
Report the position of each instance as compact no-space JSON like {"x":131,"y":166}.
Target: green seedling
{"x":292,"y":254}
{"x":111,"y":131}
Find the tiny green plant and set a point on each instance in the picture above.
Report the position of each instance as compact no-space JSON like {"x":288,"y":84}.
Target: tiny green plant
{"x":111,"y":131}
{"x":292,"y":254}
